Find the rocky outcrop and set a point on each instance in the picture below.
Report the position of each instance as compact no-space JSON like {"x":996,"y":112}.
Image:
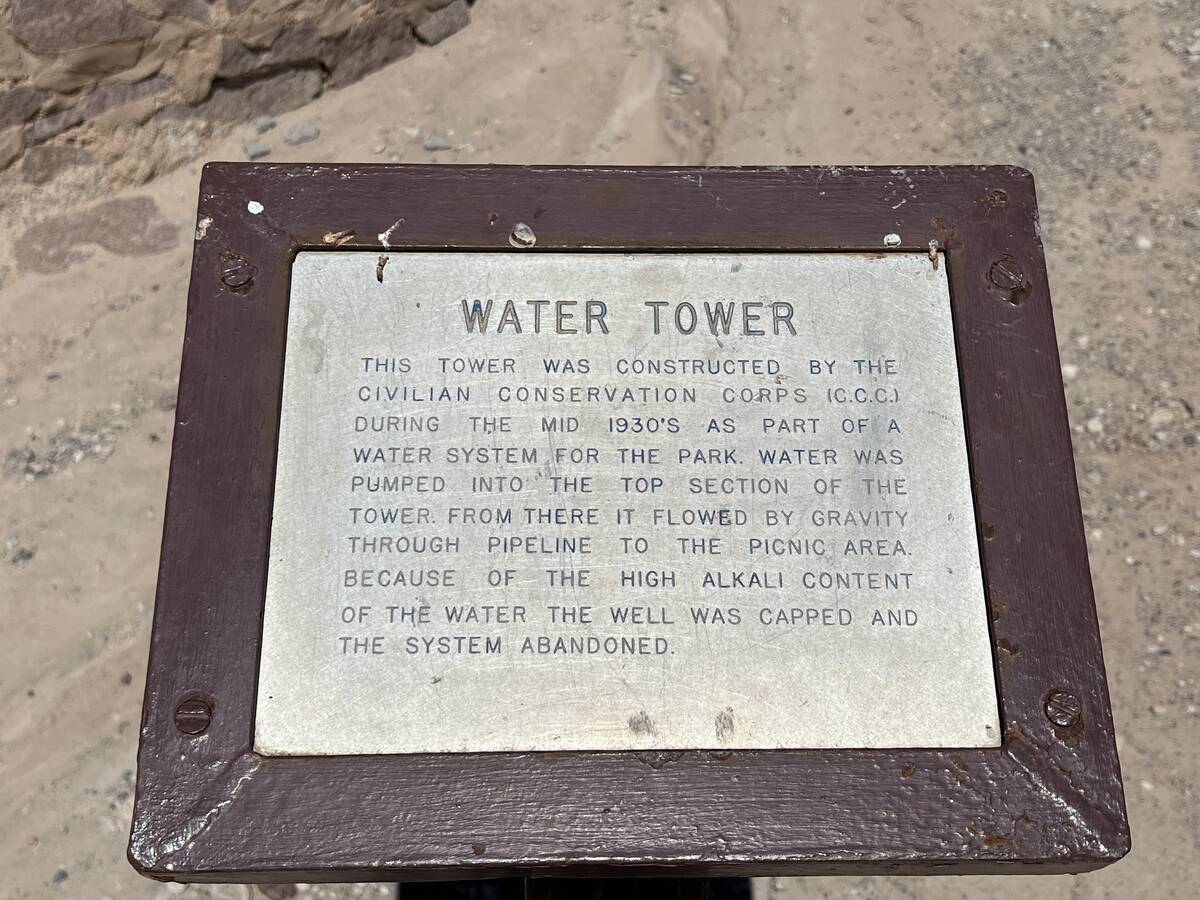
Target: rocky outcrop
{"x":67,"y":66}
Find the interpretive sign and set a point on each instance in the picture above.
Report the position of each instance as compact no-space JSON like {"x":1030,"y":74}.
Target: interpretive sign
{"x":613,"y":501}
{"x":592,"y":522}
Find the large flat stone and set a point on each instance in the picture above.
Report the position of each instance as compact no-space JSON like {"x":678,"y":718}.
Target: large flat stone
{"x":85,"y":66}
{"x":242,"y":102}
{"x":51,"y":27}
{"x":368,"y":46}
{"x":94,"y":104}
{"x":442,"y":23}
{"x":12,"y":142}
{"x":19,"y":104}
{"x":300,"y":46}
{"x":12,"y":65}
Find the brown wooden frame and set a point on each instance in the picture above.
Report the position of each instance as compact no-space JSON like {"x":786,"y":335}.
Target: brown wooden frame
{"x":209,"y":808}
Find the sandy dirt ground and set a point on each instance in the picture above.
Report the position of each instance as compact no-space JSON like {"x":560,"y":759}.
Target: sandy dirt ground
{"x":1100,"y":100}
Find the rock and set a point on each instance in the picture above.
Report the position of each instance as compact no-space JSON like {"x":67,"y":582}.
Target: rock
{"x":18,"y":105}
{"x":12,"y":65}
{"x":194,"y":67}
{"x":295,"y":48}
{"x":12,"y":142}
{"x":95,"y":104}
{"x":1094,"y":425}
{"x":302,"y":132}
{"x":442,"y":23}
{"x":56,"y":27}
{"x":1143,"y":243}
{"x":188,"y":9}
{"x":1070,"y":372}
{"x":255,"y":149}
{"x":435,"y":142}
{"x":263,"y":124}
{"x":278,"y":891}
{"x":42,"y":163}
{"x":1161,"y":417}
{"x":273,"y":95}
{"x":130,"y":226}
{"x":369,"y":45}
{"x":75,"y":69}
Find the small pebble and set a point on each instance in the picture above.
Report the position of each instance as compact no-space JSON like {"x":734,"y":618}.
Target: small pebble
{"x":1161,"y":417}
{"x":435,"y":142}
{"x":302,"y":132}
{"x":1094,"y":425}
{"x":1159,"y":530}
{"x":255,"y":149}
{"x":1070,"y":372}
{"x":263,"y":124}
{"x":1143,"y":242}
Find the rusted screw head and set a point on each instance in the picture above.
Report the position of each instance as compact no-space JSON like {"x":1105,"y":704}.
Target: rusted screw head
{"x":193,"y":715}
{"x":1063,"y":709}
{"x":236,"y":272}
{"x":1007,"y":275}
{"x":522,"y":236}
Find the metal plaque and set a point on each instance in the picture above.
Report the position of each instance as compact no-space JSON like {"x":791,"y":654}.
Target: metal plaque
{"x":569,"y":501}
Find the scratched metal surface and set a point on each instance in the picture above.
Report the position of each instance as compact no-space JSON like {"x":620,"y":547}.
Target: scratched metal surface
{"x":860,"y":680}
